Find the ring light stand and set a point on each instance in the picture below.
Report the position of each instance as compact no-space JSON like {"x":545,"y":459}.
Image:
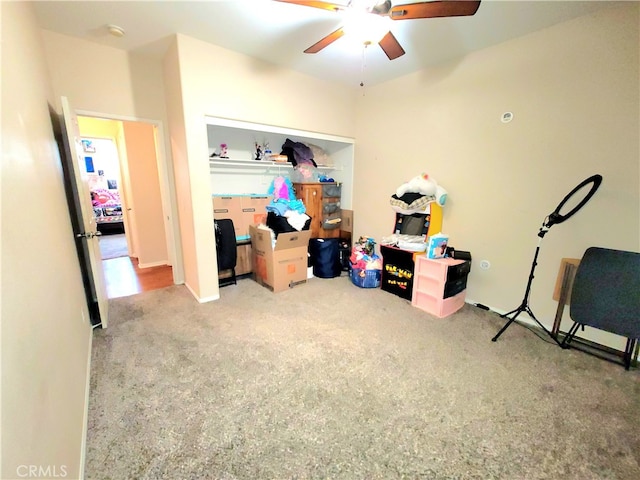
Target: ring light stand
{"x":552,"y":219}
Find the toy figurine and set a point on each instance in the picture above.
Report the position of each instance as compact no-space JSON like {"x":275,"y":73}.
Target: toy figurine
{"x":258,"y":152}
{"x":223,"y":150}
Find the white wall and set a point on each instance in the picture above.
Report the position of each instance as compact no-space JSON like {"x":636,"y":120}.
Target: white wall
{"x":145,"y":192}
{"x":46,"y":335}
{"x":573,"y":89}
{"x":249,"y":90}
{"x":118,"y":85}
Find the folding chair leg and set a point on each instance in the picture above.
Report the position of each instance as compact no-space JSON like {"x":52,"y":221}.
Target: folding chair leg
{"x":570,"y":334}
{"x":628,"y":352}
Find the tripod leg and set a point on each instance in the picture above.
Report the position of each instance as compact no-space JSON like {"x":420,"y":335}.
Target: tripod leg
{"x":519,"y":309}
{"x":517,"y":312}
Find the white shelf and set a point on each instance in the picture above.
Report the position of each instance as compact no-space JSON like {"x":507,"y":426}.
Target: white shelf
{"x":241,"y":173}
{"x":238,"y":163}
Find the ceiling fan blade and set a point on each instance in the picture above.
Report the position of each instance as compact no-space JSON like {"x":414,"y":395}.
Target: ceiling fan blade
{"x":334,"y":7}
{"x":391,"y":47}
{"x":440,"y":8}
{"x":328,"y":40}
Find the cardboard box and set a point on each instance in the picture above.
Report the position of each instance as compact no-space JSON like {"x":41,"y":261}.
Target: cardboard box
{"x":283,"y":266}
{"x":243,"y":265}
{"x":229,"y":206}
{"x":244,"y":210}
{"x":254,"y":210}
{"x":346,"y":226}
{"x":347,"y":221}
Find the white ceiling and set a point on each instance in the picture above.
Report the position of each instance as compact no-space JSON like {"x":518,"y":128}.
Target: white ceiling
{"x":278,"y":33}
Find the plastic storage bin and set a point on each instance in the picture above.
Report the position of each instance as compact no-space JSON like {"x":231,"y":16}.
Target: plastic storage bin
{"x":440,"y":307}
{"x":439,"y":285}
{"x":366,"y":278}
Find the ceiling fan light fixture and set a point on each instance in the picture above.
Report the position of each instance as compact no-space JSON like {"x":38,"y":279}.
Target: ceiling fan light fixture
{"x":365,"y":28}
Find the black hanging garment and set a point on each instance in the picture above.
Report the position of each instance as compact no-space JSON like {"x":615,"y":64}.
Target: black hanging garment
{"x":325,"y":257}
{"x":226,"y":249}
{"x":279,"y":224}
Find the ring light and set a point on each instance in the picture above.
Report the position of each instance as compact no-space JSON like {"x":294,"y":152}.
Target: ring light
{"x":551,"y":219}
{"x":556,"y":217}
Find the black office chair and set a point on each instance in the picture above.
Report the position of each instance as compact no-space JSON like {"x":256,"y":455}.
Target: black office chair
{"x":606,"y":295}
{"x":226,"y":249}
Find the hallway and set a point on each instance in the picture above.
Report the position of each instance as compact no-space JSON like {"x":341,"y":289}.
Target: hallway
{"x":124,"y":278}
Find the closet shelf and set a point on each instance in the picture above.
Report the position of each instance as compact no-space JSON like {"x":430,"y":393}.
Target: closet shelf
{"x":217,"y":162}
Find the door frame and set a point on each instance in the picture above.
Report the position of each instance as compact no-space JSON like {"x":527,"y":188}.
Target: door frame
{"x":167,"y":188}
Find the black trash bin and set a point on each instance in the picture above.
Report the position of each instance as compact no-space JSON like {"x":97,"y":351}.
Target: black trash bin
{"x":325,"y":257}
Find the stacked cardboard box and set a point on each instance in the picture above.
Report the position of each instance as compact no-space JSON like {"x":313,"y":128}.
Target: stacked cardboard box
{"x":244,"y":210}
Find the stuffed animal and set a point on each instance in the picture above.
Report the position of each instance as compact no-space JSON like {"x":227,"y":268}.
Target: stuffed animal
{"x":425,"y":185}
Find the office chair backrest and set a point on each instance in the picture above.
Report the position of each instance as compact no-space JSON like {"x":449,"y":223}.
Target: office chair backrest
{"x":226,"y":244}
{"x":606,"y":291}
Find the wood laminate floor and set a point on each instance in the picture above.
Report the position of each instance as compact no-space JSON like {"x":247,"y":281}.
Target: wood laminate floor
{"x":123,"y":277}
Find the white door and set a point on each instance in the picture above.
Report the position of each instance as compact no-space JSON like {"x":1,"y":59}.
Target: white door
{"x":87,"y":233}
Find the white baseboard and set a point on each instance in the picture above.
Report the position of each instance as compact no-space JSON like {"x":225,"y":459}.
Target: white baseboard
{"x":605,"y":339}
{"x":201,"y":300}
{"x":85,"y":420}
{"x":523,"y":317}
{"x":153,"y":264}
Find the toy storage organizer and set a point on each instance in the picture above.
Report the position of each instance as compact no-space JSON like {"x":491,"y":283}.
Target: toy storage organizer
{"x":439,"y":285}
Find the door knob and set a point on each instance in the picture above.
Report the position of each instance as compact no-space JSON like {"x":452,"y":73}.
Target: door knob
{"x":88,"y":235}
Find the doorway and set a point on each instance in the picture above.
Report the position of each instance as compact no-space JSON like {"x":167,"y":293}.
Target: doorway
{"x":102,"y":165}
{"x":130,"y":187}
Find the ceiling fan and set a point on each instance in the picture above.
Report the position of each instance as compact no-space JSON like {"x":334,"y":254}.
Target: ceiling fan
{"x":385,"y":9}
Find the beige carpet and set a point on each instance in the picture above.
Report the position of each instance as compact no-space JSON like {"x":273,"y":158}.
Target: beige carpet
{"x":333,"y":381}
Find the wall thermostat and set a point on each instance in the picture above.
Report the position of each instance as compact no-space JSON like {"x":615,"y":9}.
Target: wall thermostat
{"x":507,"y":117}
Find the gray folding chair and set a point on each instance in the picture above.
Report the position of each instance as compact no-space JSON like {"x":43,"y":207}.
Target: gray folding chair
{"x":606,"y":295}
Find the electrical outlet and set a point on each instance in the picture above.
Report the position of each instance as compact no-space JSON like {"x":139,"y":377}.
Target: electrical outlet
{"x":485,"y":264}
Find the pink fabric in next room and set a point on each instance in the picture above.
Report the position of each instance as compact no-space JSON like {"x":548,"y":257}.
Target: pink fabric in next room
{"x":107,"y":198}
